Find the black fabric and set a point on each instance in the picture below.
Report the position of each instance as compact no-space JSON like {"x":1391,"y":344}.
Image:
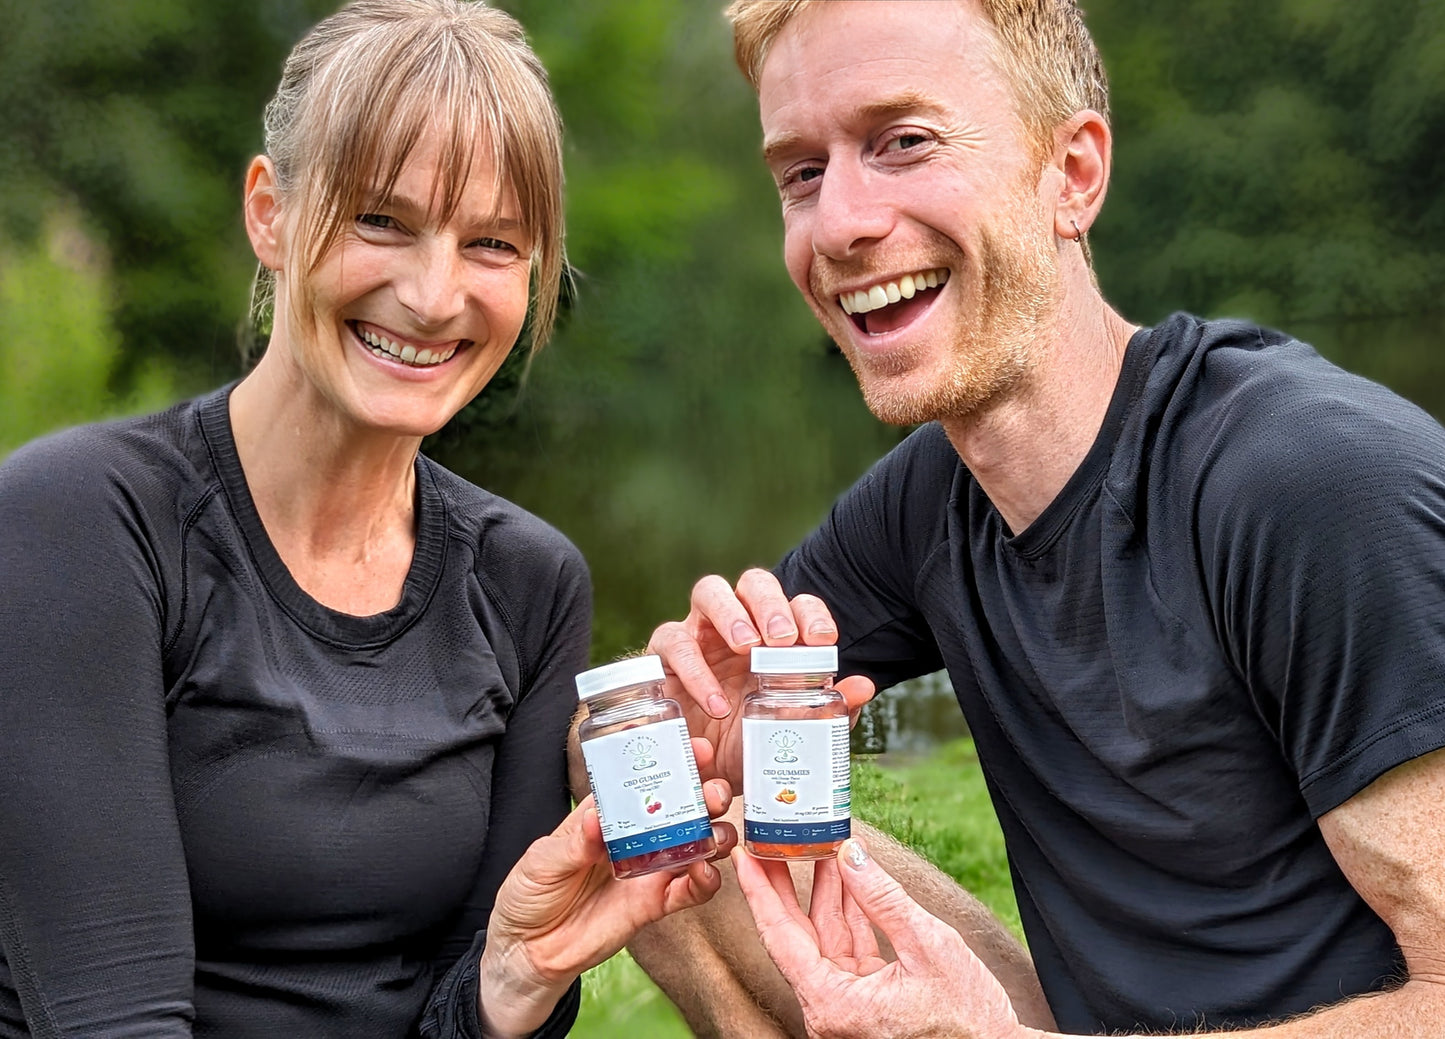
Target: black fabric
{"x":230,"y":811}
{"x":1229,"y":621}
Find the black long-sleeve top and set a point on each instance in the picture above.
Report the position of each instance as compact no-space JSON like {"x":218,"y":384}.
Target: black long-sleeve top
{"x":227,"y":810}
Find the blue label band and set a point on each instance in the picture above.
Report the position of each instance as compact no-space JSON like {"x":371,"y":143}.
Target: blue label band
{"x":797,"y":833}
{"x":658,"y":839}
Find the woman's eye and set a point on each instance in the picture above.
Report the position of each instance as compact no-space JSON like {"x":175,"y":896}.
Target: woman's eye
{"x":494,"y":243}
{"x":376,"y":220}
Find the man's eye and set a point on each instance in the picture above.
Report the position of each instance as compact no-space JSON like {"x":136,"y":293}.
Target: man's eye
{"x":904,"y":141}
{"x":799,"y":177}
{"x":376,"y":220}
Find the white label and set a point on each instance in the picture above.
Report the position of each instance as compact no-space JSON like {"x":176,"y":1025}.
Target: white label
{"x":646,"y":786}
{"x":795,"y":780}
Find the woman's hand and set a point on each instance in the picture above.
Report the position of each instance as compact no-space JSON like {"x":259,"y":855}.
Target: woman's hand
{"x":561,"y":911}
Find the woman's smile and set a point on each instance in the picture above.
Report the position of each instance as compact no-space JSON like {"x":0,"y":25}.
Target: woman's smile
{"x":390,"y":346}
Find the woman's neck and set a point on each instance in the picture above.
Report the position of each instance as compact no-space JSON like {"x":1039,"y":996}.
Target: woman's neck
{"x":337,"y":501}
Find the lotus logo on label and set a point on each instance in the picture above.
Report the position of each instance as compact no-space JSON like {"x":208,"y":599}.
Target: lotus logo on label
{"x":786,"y":741}
{"x":642,"y":752}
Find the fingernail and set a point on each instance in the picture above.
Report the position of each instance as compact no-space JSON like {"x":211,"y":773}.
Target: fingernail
{"x":855,"y":853}
{"x":821,"y":628}
{"x":781,"y":628}
{"x":743,"y":633}
{"x":718,"y":706}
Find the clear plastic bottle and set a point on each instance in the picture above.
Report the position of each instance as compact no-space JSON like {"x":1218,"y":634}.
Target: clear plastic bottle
{"x":796,"y":779}
{"x":643,"y":774}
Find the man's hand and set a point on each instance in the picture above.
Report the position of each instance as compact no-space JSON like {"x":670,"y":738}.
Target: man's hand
{"x":706,"y":655}
{"x":830,"y":955}
{"x":561,"y":911}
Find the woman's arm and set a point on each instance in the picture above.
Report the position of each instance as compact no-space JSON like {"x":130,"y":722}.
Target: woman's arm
{"x":549,"y":607}
{"x":95,"y":911}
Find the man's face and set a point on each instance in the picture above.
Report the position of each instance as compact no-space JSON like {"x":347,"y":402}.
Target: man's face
{"x":915,"y":224}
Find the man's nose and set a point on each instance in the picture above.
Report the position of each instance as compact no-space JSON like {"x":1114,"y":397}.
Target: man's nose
{"x":852,"y":212}
{"x":431,"y":285}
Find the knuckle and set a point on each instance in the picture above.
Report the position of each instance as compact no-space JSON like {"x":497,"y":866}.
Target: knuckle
{"x":666,"y":634}
{"x":757,"y":577}
{"x":711,"y":584}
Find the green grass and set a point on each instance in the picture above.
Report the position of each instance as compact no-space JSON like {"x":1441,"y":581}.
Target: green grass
{"x":937,"y":805}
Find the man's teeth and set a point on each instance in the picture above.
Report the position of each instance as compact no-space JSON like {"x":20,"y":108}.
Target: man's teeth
{"x":403,"y":352}
{"x":887,"y":292}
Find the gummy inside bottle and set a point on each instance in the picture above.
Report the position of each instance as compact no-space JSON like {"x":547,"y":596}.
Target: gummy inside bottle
{"x":676,"y":857}
{"x":823,"y":850}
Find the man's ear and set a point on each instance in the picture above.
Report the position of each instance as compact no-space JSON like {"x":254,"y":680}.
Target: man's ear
{"x":1084,"y":152}
{"x":262,"y":207}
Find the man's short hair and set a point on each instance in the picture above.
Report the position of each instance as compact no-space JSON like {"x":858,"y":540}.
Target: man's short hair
{"x":1045,"y":51}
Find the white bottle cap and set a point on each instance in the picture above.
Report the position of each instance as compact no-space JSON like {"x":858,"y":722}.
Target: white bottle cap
{"x":623,"y":673}
{"x":795,"y":660}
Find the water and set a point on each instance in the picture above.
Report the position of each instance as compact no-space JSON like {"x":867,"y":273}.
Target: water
{"x":910,"y":719}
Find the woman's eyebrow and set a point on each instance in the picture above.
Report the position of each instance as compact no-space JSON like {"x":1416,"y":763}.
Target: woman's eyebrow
{"x":412,"y":208}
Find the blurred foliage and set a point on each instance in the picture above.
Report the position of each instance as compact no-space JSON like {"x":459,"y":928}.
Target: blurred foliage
{"x":1275,"y":159}
{"x":53,"y":299}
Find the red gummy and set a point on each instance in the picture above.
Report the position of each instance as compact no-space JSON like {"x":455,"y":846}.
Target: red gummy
{"x":668,"y":858}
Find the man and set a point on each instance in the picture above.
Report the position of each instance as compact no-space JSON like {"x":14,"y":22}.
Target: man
{"x":1188,"y":582}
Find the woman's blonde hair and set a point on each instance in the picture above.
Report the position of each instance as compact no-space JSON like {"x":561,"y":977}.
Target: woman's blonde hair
{"x":364,"y":85}
{"x":1046,"y":52}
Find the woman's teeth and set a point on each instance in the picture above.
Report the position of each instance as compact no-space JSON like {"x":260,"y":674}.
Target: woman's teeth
{"x":403,"y":352}
{"x":886,"y":292}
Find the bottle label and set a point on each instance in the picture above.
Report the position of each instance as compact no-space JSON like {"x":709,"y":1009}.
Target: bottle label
{"x":795,"y":780}
{"x":647,"y":790}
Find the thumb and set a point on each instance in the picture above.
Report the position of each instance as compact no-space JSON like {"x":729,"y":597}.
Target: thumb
{"x":856,"y":691}
{"x":573,"y":846}
{"x":886,"y":904}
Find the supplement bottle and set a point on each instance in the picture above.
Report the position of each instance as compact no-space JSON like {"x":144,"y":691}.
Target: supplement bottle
{"x":796,"y":780}
{"x":640,"y":764}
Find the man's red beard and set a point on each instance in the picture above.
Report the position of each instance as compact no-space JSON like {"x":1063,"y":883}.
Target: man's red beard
{"x":999,"y":308}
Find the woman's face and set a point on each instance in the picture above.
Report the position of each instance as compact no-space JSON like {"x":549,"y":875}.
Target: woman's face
{"x":409,"y":315}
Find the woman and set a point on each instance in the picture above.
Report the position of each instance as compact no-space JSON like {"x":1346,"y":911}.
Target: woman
{"x":284,"y":702}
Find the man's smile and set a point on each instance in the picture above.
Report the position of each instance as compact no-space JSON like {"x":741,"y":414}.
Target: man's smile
{"x":885,"y":305}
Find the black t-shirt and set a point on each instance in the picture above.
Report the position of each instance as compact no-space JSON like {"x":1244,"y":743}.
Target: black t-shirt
{"x":230,"y":811}
{"x":1229,"y":621}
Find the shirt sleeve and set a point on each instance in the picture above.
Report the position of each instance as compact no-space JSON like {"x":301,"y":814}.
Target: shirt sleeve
{"x":530,"y":796}
{"x":1323,"y":546}
{"x":95,"y":912}
{"x":864,"y":561}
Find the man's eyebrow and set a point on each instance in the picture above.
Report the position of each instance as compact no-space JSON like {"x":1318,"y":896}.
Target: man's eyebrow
{"x":780,"y":145}
{"x":905,"y":103}
{"x":899,"y":104}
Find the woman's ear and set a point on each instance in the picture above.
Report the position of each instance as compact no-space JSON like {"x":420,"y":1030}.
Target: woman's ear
{"x":1083,"y":151}
{"x":262,"y":209}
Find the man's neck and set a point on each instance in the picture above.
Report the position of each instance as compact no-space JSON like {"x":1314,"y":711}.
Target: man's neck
{"x":1023,"y":450}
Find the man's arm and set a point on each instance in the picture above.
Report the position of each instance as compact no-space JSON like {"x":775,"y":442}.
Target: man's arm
{"x":1387,"y":840}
